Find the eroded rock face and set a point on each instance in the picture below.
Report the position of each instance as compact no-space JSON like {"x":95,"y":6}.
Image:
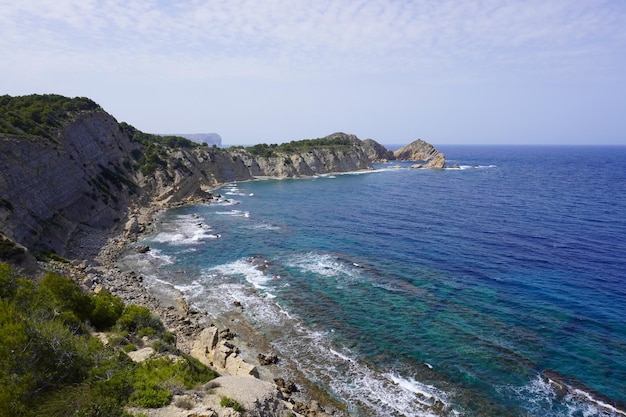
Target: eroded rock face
{"x":55,"y":187}
{"x":438,"y":162}
{"x":258,"y":398}
{"x":212,"y":349}
{"x":420,"y":150}
{"x":377,"y":152}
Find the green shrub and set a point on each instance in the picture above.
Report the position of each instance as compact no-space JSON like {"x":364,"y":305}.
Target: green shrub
{"x":38,"y":355}
{"x":159,"y":346}
{"x":107,"y":309}
{"x":148,"y":332}
{"x":77,"y":401}
{"x":169,"y":338}
{"x":63,"y":295}
{"x":119,"y":339}
{"x":101,"y":407}
{"x":39,"y":115}
{"x":113,"y":375}
{"x":232,"y":403}
{"x":138,"y":318}
{"x":131,"y":347}
{"x":8,"y":281}
{"x":149,"y":395}
{"x":49,"y":368}
{"x":189,"y":371}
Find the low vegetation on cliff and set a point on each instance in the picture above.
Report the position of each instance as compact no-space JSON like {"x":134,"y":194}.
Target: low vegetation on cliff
{"x":153,"y":152}
{"x":52,"y":364}
{"x":39,"y":115}
{"x":336,"y":141}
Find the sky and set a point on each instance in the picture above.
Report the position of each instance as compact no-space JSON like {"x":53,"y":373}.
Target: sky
{"x":268,"y":71}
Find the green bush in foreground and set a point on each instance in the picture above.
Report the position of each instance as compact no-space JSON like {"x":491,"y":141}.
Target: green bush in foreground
{"x":140,"y":320}
{"x":107,"y":309}
{"x":50,"y":364}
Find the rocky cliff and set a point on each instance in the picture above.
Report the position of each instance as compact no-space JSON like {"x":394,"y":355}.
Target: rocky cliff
{"x":91,"y":172}
{"x":377,"y":152}
{"x":53,"y":187}
{"x":420,"y":150}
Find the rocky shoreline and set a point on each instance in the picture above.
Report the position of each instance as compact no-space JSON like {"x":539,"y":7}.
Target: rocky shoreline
{"x":229,"y":343}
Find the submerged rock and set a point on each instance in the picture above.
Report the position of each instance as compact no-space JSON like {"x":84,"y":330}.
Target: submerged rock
{"x":267,"y":359}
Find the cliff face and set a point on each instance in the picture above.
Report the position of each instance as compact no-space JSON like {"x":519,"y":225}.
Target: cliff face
{"x":421,"y":151}
{"x":377,"y":152}
{"x":89,"y":179}
{"x":52,"y":188}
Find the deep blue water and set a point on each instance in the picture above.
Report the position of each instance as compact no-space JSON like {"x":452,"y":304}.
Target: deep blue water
{"x":416,"y":292}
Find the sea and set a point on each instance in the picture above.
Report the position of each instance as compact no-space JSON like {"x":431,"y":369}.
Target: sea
{"x":495,"y":288}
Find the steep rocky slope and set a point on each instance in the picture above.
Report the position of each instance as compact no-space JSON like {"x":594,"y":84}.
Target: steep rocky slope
{"x":377,"y":152}
{"x":91,"y":172}
{"x":54,"y":187}
{"x":420,"y":150}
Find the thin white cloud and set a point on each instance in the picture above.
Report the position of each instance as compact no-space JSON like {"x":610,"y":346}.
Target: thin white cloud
{"x":372,"y":36}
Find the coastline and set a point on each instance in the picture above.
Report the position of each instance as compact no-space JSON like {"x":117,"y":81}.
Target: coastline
{"x":97,"y":267}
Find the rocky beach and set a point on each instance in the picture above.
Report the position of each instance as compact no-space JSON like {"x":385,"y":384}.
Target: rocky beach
{"x":250,"y":371}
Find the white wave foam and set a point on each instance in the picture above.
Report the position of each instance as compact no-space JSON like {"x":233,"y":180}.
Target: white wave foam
{"x":265,"y":226}
{"x":589,"y":398}
{"x":348,"y":378}
{"x":158,"y":255}
{"x":324,"y":264}
{"x":235,"y":213}
{"x":227,"y":202}
{"x":193,"y":289}
{"x":233,"y":189}
{"x":358,"y":384}
{"x":244,"y":268}
{"x":341,"y":355}
{"x":185,"y":230}
{"x":457,"y":167}
{"x":540,"y":395}
{"x":411,"y":385}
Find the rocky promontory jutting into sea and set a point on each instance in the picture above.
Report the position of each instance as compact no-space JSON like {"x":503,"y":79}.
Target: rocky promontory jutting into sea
{"x":77,"y":186}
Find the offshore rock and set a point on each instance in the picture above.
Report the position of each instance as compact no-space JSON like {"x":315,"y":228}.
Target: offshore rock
{"x":438,"y":162}
{"x":420,"y":150}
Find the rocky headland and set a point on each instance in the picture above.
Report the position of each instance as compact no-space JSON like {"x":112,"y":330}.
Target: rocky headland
{"x":423,"y":152}
{"x":77,"y":184}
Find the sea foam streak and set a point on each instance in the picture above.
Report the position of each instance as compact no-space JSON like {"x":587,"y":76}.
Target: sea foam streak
{"x":337,"y":369}
{"x":363,"y":387}
{"x":236,"y":213}
{"x":185,"y":230}
{"x":324,"y":264}
{"x":540,"y":394}
{"x":244,"y":268}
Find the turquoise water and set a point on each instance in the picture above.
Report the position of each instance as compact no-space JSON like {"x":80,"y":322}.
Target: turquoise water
{"x":415,"y":292}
